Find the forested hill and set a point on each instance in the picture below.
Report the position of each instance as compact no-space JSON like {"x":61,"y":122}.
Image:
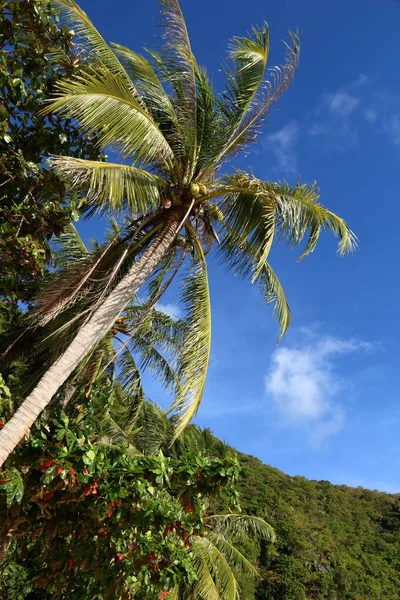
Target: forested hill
{"x":333,"y":542}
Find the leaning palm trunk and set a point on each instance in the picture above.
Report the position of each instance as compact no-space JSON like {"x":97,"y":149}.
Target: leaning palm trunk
{"x":89,"y":335}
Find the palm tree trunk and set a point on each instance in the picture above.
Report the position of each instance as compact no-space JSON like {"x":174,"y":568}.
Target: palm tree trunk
{"x":91,"y":332}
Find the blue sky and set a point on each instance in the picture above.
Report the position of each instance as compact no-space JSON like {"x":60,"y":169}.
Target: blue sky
{"x":324,"y":404}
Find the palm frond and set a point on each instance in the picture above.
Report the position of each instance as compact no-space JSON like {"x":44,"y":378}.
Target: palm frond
{"x":102,"y":103}
{"x":112,"y":186}
{"x":129,"y":376}
{"x":59,"y":291}
{"x":210,"y":558}
{"x":148,"y":84}
{"x":238,"y":525}
{"x":210,"y":121}
{"x":69,"y":247}
{"x":153,"y":431}
{"x":234,"y":557}
{"x":153,"y":359}
{"x":195,"y":353}
{"x":250,"y":126}
{"x":177,"y":55}
{"x":98,"y":51}
{"x":250,"y":57}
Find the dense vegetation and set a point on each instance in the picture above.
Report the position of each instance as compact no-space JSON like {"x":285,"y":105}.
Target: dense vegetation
{"x":35,"y":52}
{"x":101,"y":500}
{"x":333,"y":542}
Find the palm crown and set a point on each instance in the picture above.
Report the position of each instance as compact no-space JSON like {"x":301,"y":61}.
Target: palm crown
{"x":175,"y":136}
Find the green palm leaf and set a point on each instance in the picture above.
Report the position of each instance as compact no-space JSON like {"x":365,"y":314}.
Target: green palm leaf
{"x":251,"y":125}
{"x":87,"y":34}
{"x":212,"y":560}
{"x":180,"y":63}
{"x":195,"y":353}
{"x":148,"y":84}
{"x":250,"y":56}
{"x":233,"y":556}
{"x":105,"y":106}
{"x":112,"y":186}
{"x":237,"y":525}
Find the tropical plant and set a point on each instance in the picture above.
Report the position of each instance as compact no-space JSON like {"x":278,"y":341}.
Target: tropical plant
{"x":175,"y":136}
{"x":85,"y":513}
{"x":142,"y":337}
{"x":35,"y":52}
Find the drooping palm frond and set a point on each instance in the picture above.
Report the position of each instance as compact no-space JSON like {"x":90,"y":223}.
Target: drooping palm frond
{"x":129,"y":376}
{"x":238,"y":525}
{"x":112,"y":186}
{"x":234,"y":557}
{"x":256,"y":212}
{"x":195,"y":353}
{"x":103,"y":104}
{"x":212,"y":567}
{"x":74,"y":282}
{"x":195,"y":439}
{"x":153,"y":430}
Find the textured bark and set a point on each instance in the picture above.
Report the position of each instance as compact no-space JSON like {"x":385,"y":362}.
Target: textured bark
{"x":91,"y":333}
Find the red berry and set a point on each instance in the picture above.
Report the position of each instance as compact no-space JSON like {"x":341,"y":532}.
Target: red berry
{"x":152,"y":556}
{"x":70,"y":563}
{"x":1,"y":424}
{"x":119,"y":557}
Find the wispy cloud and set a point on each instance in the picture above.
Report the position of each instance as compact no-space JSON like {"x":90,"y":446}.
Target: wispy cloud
{"x":341,"y":103}
{"x":338,"y":116}
{"x":303,"y":384}
{"x":282,"y":144}
{"x":370,"y":115}
{"x":332,"y":118}
{"x":171,"y":309}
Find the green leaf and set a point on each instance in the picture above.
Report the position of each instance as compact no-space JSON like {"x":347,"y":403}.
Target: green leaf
{"x":14,"y":488}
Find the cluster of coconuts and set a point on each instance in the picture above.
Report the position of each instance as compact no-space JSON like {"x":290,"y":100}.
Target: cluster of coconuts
{"x":198,"y":189}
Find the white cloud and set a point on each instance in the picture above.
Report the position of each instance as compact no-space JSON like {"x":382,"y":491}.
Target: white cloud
{"x":342,"y":104}
{"x":303,"y":384}
{"x":282,"y":144}
{"x":171,"y":309}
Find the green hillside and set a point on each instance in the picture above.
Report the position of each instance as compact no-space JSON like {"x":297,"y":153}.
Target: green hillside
{"x":334,"y":542}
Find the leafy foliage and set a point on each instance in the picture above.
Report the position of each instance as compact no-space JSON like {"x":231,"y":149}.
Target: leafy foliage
{"x":35,"y":52}
{"x":332,"y":541}
{"x":86,"y":518}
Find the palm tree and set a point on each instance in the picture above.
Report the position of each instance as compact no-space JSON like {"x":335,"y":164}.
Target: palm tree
{"x":175,"y":137}
{"x":142,"y":337}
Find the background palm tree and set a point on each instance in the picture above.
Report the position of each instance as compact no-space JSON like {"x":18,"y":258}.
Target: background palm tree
{"x":174,"y":135}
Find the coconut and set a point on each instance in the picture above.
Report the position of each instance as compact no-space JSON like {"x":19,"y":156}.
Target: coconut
{"x":203,"y":189}
{"x":194,"y":189}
